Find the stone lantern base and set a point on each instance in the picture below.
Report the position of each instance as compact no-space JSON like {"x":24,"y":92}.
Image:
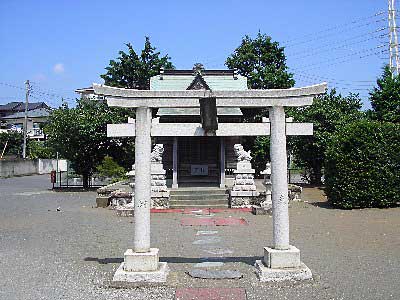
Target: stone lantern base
{"x":282,"y":265}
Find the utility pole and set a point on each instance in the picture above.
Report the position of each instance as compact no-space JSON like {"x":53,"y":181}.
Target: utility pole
{"x":27,"y":90}
{"x":393,"y":43}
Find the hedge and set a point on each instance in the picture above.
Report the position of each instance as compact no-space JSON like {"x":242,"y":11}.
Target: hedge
{"x":362,"y":166}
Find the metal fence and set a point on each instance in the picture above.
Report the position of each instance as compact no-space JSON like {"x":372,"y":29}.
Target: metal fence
{"x":69,"y":179}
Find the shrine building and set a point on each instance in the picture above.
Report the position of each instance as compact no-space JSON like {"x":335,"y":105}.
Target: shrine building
{"x":198,"y":160}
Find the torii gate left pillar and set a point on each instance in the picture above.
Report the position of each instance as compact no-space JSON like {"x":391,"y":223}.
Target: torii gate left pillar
{"x":141,"y":264}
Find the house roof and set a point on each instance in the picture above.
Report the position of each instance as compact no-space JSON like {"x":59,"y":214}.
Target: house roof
{"x":9,"y":106}
{"x":20,"y":106}
{"x":35,"y":113}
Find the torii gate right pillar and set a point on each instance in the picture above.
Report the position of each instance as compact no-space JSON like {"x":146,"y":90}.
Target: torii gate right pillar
{"x":281,"y":261}
{"x":280,"y":201}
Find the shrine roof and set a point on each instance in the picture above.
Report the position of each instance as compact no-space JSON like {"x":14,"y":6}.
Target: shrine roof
{"x":178,"y":80}
{"x":215,"y":80}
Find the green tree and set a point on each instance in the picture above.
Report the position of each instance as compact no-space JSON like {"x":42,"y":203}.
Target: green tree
{"x":263,"y":62}
{"x":80,"y":135}
{"x":14,"y":141}
{"x":40,"y":149}
{"x":385,"y":98}
{"x":328,"y":113}
{"x":134,"y":71}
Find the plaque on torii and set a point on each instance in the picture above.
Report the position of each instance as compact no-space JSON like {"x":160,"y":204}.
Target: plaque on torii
{"x":281,"y":256}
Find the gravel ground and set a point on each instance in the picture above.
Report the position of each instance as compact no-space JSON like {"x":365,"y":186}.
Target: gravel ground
{"x":72,"y":253}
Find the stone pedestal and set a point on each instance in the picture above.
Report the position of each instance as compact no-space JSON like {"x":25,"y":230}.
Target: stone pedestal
{"x":266,"y":274}
{"x":244,"y":189}
{"x":281,"y":265}
{"x":159,"y":190}
{"x":267,"y":203}
{"x":142,"y":267}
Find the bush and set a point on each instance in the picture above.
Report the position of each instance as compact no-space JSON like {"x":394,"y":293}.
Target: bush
{"x":362,"y":167}
{"x":40,"y":149}
{"x":109,"y":168}
{"x":261,"y":153}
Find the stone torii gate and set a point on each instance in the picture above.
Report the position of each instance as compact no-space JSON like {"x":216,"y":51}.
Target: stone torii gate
{"x":282,"y":260}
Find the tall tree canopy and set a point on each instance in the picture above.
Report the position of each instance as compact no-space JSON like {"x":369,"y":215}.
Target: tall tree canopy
{"x":263,"y":62}
{"x":133,"y":71}
{"x":80,"y":135}
{"x":385,"y":98}
{"x":328,"y":113}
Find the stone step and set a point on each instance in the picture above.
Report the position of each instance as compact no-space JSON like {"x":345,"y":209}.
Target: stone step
{"x":199,"y":197}
{"x":199,"y":180}
{"x":199,"y":202}
{"x":215,"y":274}
{"x":199,"y":206}
{"x":198,"y":191}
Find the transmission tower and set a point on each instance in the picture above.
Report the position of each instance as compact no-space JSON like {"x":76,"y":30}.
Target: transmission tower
{"x":394,"y":44}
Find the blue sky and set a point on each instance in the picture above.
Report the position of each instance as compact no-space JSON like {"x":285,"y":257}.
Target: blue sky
{"x":64,"y":45}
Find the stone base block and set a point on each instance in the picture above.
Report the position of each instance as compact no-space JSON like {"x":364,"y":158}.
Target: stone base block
{"x":259,"y":210}
{"x":159,"y":202}
{"x":157,"y":276}
{"x":102,"y":201}
{"x":244,"y":193}
{"x":240,"y":202}
{"x":266,"y":274}
{"x":141,"y":262}
{"x":279,"y":259}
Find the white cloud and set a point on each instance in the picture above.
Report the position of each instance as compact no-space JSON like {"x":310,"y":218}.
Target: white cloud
{"x":58,"y":68}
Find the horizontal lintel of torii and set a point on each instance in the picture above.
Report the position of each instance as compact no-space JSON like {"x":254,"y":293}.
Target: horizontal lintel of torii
{"x":190,"y":98}
{"x":195,"y":129}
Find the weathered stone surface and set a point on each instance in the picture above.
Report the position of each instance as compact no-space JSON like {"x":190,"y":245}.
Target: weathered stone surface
{"x":218,"y":251}
{"x":102,"y":201}
{"x":237,"y":202}
{"x":295,"y":192}
{"x":159,"y":202}
{"x":209,"y":264}
{"x":249,"y":98}
{"x":280,"y":201}
{"x":210,"y":294}
{"x":258,"y":210}
{"x":206,"y":232}
{"x":141,"y":236}
{"x":214,"y":274}
{"x":141,"y":262}
{"x":244,"y":188}
{"x":208,"y":240}
{"x":265,"y":274}
{"x":158,"y":276}
{"x":276,"y":259}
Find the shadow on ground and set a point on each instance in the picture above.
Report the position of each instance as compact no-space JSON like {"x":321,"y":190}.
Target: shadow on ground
{"x":323,"y":204}
{"x":250,"y":260}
